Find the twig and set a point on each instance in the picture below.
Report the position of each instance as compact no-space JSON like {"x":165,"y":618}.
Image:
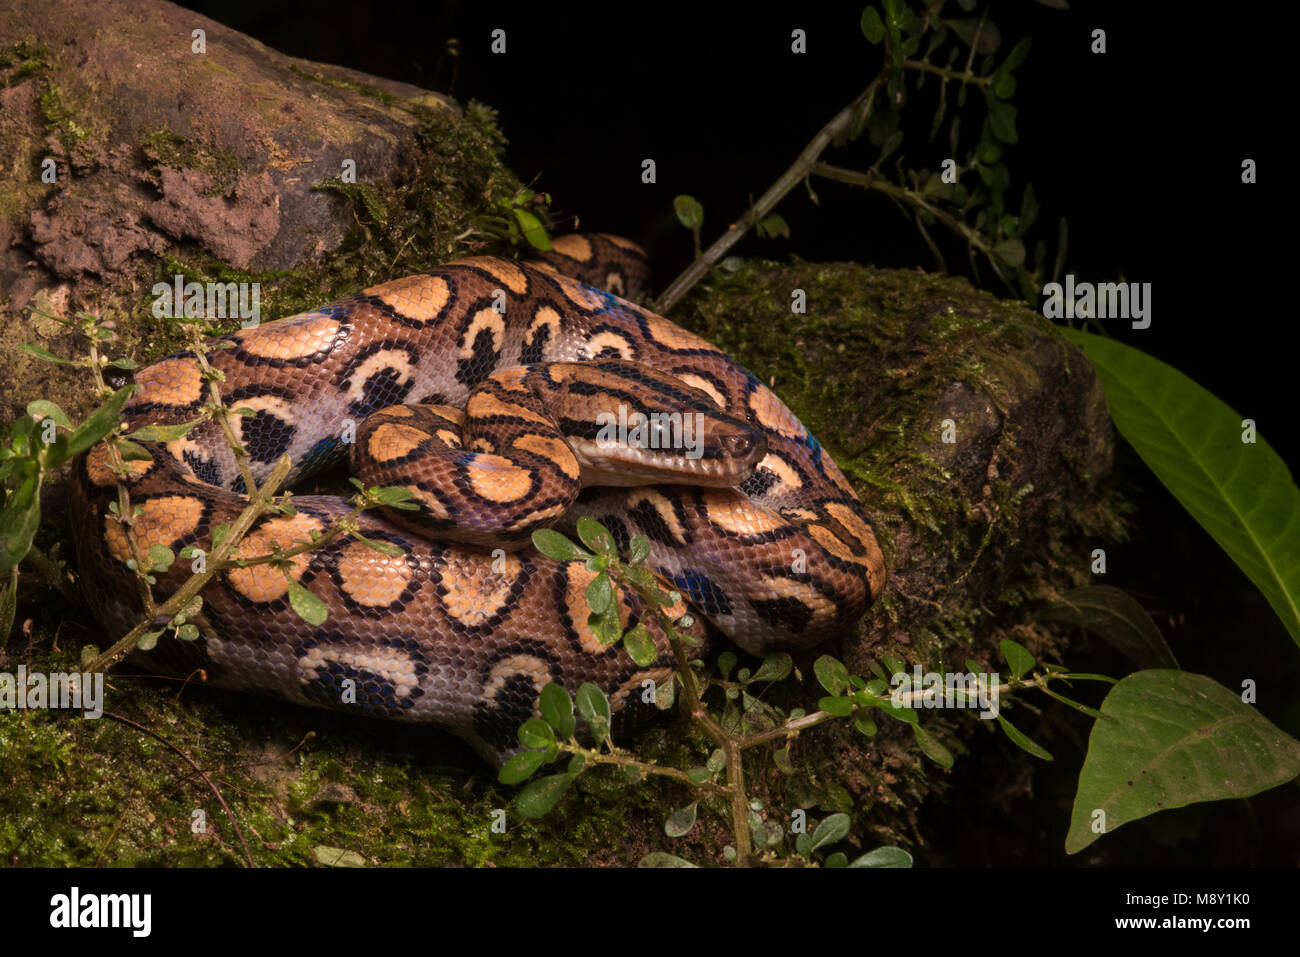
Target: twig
{"x":190,"y":761}
{"x":767,"y":202}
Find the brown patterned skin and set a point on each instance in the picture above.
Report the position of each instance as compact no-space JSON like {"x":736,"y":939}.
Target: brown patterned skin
{"x":506,"y":368}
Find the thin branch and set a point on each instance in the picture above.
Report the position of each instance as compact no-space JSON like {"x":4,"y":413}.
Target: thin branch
{"x":767,"y":202}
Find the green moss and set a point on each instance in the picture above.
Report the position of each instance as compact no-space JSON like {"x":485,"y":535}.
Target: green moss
{"x":23,"y":60}
{"x":165,"y":148}
{"x":81,"y":792}
{"x":340,"y":84}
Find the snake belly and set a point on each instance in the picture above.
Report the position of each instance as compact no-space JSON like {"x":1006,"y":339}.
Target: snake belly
{"x":461,"y":635}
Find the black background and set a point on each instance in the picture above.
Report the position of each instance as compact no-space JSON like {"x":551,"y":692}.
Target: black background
{"x":1140,"y":149}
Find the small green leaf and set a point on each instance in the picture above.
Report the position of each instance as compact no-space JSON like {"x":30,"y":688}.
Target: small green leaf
{"x":384,"y":548}
{"x":838,"y":859}
{"x":532,"y":229}
{"x":642,"y":579}
{"x":328,"y":856}
{"x":1017,"y":55}
{"x":308,"y":606}
{"x":1002,"y":120}
{"x":893,"y":666}
{"x":536,"y":734}
{"x":775,"y":667}
{"x":638,"y":550}
{"x":538,"y":797}
{"x":45,"y":354}
{"x":873,"y":28}
{"x":100,"y":422}
{"x":556,"y":546}
{"x":132,"y":452}
{"x":891,"y":144}
{"x":641,"y":646}
{"x":1022,"y":740}
{"x":772,"y":226}
{"x":931,"y":747}
{"x":726,"y":661}
{"x":680,"y":822}
{"x":884,"y":857}
{"x":160,"y":558}
{"x":596,"y":537}
{"x":557,"y":709}
{"x":663,"y":859}
{"x":600,"y":594}
{"x":165,"y":433}
{"x":607,"y":628}
{"x":187,"y":632}
{"x":45,"y":409}
{"x":394,"y":496}
{"x":689,"y":212}
{"x":831,"y":675}
{"x":521,"y":767}
{"x":830,"y":831}
{"x":904,"y":713}
{"x":840,"y":707}
{"x":594,"y":708}
{"x":781,"y":758}
{"x":1019,"y":660}
{"x":19,"y":519}
{"x":8,"y":605}
{"x":1010,"y":251}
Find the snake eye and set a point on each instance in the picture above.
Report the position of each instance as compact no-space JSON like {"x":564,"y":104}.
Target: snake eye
{"x":739,"y":445}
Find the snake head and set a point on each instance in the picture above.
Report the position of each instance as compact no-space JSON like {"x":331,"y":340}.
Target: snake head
{"x":629,"y":425}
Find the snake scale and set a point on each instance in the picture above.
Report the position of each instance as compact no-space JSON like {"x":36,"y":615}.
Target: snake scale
{"x":481,"y":386}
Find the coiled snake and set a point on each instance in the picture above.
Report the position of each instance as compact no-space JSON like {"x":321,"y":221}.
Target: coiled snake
{"x":512,"y":370}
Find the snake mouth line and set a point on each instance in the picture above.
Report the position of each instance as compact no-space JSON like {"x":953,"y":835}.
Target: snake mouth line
{"x":626,"y":465}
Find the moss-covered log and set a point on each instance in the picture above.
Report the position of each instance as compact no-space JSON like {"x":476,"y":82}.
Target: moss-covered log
{"x":975,"y":434}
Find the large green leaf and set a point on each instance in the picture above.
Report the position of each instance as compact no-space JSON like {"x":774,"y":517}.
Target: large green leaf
{"x":1169,"y":739}
{"x":1241,"y":493}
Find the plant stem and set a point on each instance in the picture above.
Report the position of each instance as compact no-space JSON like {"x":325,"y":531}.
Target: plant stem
{"x":802,"y":165}
{"x":258,"y":503}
